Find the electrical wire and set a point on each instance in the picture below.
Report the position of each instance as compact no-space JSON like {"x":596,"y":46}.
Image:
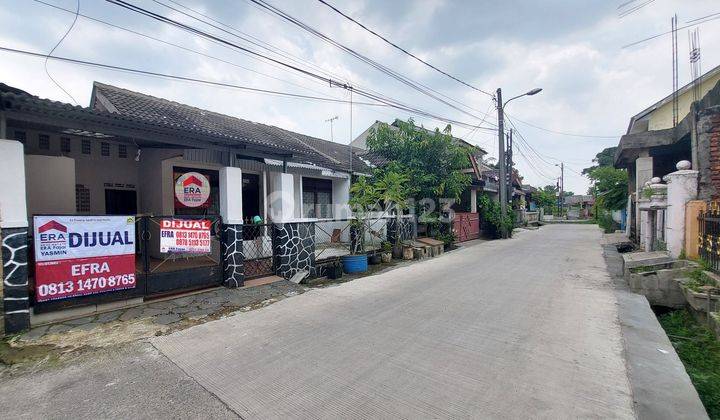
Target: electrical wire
{"x":563,"y":133}
{"x":403,"y":49}
{"x":698,"y":21}
{"x":90,"y":18}
{"x":77,"y":12}
{"x":224,"y":85}
{"x":380,"y":98}
{"x":382,"y":68}
{"x":635,"y":8}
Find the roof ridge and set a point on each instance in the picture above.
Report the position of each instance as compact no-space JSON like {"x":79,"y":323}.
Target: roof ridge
{"x":100,"y":84}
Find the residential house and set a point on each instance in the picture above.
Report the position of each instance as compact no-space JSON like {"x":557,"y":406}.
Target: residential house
{"x":127,"y":153}
{"x":653,"y":146}
{"x":579,"y":206}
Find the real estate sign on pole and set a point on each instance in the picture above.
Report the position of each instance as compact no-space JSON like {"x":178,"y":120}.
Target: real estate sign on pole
{"x":185,"y":236}
{"x":83,"y":255}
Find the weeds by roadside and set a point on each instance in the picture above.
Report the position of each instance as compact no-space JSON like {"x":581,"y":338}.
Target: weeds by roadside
{"x":700,"y":353}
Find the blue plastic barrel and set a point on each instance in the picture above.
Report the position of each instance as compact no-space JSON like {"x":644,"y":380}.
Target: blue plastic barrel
{"x":354,"y":263}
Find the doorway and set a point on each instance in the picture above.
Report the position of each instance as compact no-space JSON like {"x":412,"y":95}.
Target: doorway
{"x":120,"y":202}
{"x":250,"y":197}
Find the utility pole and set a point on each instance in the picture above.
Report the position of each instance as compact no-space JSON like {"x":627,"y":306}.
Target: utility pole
{"x":502,"y":154}
{"x":331,"y":126}
{"x":562,"y":187}
{"x":502,"y":188}
{"x":510,"y":166}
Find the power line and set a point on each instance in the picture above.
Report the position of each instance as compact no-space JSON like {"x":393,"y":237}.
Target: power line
{"x":380,"y":98}
{"x":403,"y":49}
{"x":698,"y":21}
{"x":635,"y":8}
{"x":221,"y":84}
{"x":265,"y":45}
{"x":72,"y":25}
{"x":382,"y":68}
{"x":181,"y":78}
{"x":563,"y":133}
{"x":179,"y":46}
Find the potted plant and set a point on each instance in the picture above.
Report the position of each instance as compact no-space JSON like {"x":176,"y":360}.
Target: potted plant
{"x":393,"y":190}
{"x":386,"y":255}
{"x":334,"y":270}
{"x":363,"y":196}
{"x":375,"y":258}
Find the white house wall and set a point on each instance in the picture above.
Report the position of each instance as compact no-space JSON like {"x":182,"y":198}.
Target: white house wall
{"x":94,"y":171}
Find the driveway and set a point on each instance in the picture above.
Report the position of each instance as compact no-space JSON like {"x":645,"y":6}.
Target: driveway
{"x":505,"y":329}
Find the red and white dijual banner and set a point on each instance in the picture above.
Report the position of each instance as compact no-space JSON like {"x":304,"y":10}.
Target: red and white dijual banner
{"x":83,"y":255}
{"x":185,"y":236}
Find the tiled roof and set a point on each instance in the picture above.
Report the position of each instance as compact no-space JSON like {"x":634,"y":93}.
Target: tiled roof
{"x":159,"y":111}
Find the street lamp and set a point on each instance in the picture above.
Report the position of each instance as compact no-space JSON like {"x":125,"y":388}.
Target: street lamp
{"x":501,"y":145}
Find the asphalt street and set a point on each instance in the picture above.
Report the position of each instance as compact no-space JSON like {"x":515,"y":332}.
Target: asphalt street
{"x":505,"y":329}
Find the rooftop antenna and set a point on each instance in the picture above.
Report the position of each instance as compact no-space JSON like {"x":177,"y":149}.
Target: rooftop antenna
{"x":695,"y":62}
{"x":673,"y":24}
{"x":330,"y":120}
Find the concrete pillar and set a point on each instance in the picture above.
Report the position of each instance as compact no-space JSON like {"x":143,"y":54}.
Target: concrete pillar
{"x":340,"y":198}
{"x":628,"y":216}
{"x":682,"y":187}
{"x":473,"y":201}
{"x":231,"y":195}
{"x":643,"y":175}
{"x":14,"y":231}
{"x":232,"y":231}
{"x":282,"y":199}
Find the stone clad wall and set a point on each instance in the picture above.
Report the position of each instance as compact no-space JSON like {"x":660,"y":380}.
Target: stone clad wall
{"x":16,"y":304}
{"x":233,"y":257}
{"x":294,"y":248}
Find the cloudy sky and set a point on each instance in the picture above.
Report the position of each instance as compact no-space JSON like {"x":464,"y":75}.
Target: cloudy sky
{"x":572,"y":49}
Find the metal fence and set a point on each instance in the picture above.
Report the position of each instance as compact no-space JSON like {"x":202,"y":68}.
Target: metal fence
{"x":338,"y":237}
{"x":257,"y":250}
{"x":709,"y":237}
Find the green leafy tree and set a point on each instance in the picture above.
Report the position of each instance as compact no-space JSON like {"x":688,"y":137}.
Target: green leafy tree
{"x":431,"y":160}
{"x":605,"y":158}
{"x":393,"y":190}
{"x":609,"y":186}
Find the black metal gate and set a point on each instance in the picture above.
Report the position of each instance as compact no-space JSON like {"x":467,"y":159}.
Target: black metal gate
{"x":258,"y":250}
{"x":708,"y":238}
{"x":168,"y":271}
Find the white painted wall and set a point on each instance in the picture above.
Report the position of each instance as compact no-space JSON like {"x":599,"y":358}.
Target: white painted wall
{"x":50,"y":183}
{"x":13,"y":210}
{"x":682,"y":187}
{"x":231,"y":195}
{"x":94,"y":171}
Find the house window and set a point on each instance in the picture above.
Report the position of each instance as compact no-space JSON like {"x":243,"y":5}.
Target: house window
{"x":317,"y":198}
{"x":21,"y":136}
{"x":65,"y":145}
{"x":105,"y":149}
{"x":86,"y":147}
{"x":122,"y":151}
{"x":82,"y":198}
{"x":44,"y":142}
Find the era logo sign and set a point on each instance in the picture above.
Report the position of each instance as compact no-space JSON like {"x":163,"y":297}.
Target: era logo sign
{"x":192,"y":189}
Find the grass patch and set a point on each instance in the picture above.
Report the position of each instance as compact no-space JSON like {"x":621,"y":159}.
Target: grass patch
{"x":700,"y":353}
{"x":698,"y":279}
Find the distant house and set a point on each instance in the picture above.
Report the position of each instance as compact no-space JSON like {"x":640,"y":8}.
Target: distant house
{"x":579,"y":206}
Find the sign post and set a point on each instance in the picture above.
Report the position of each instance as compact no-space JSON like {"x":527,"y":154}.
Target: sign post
{"x":83,"y":255}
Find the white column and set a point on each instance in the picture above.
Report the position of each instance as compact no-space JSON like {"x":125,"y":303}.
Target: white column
{"x":282,"y":199}
{"x":682,"y":187}
{"x":643,"y":174}
{"x":13,"y":207}
{"x":231,"y":195}
{"x":340,"y":197}
{"x":473,"y":201}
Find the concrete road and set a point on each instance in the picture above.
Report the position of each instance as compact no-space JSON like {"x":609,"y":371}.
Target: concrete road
{"x":507,"y":329}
